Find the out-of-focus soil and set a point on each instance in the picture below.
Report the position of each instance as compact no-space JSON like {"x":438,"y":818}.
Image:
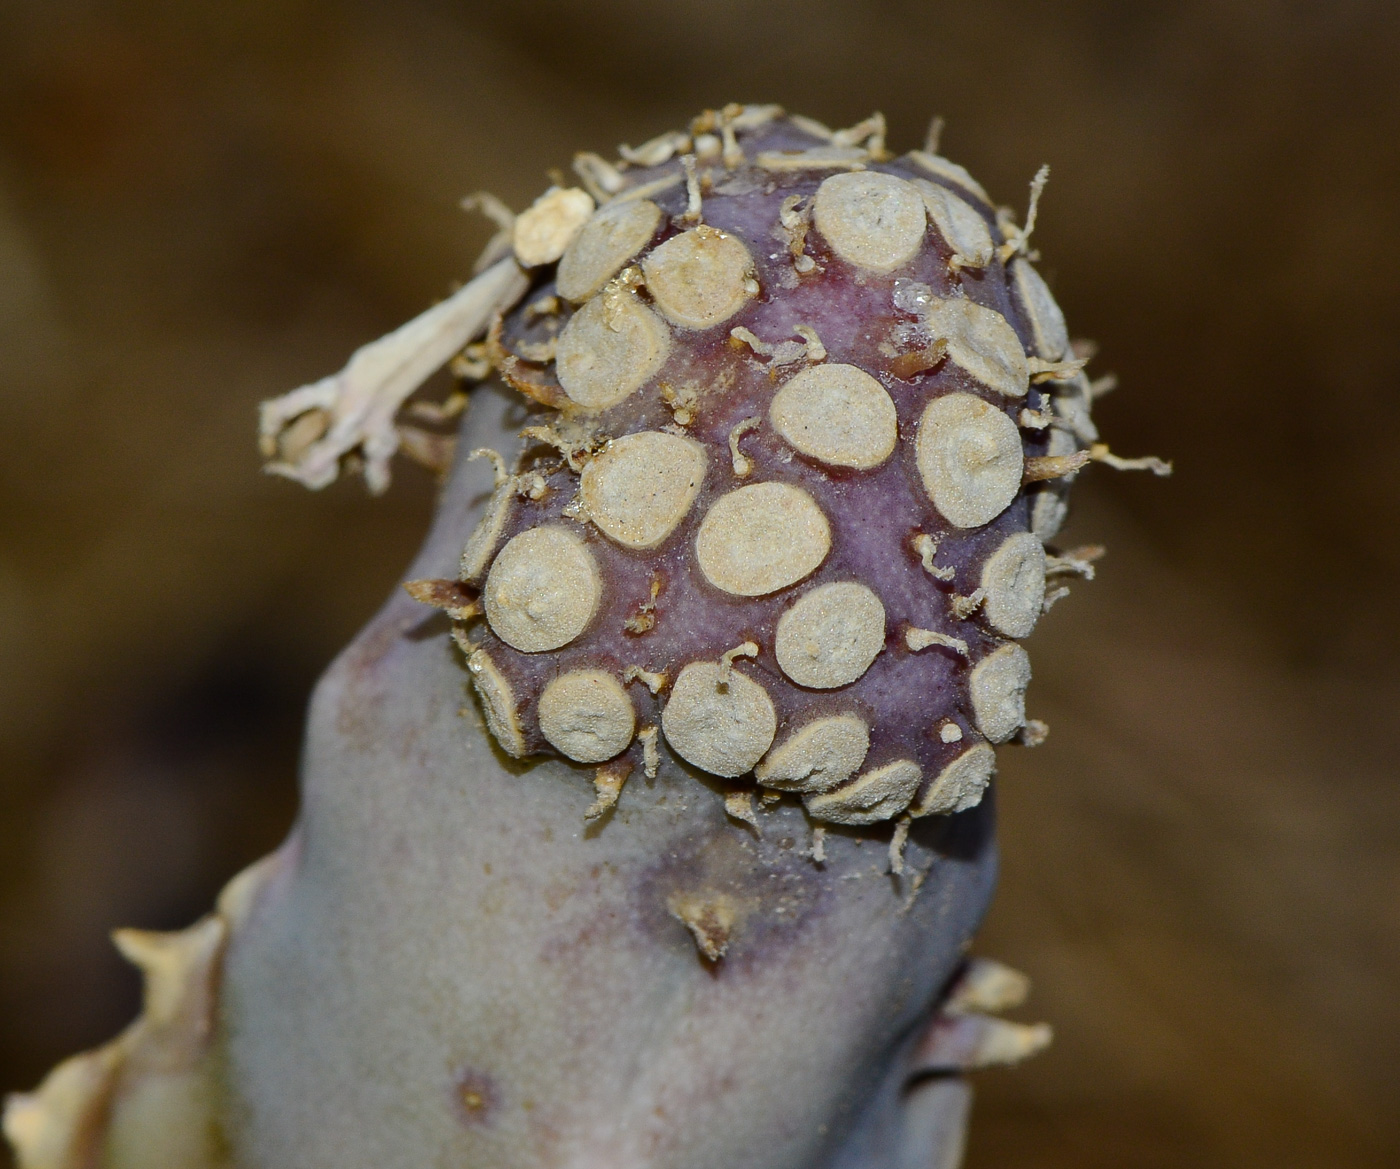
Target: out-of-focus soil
{"x":204,"y":205}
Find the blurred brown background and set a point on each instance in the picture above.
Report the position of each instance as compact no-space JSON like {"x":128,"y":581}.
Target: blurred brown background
{"x":202,"y":205}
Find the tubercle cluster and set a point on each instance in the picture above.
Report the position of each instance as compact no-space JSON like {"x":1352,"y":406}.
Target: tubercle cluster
{"x":807,"y":418}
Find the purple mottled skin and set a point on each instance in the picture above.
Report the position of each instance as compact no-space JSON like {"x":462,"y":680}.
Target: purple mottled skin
{"x":452,"y":968}
{"x":905,"y":696}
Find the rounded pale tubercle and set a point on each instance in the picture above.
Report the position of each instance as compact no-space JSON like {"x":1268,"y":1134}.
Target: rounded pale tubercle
{"x":1047,"y":321}
{"x":606,"y":242}
{"x":877,"y":795}
{"x":1072,"y":402}
{"x":549,"y":225}
{"x":959,"y":785}
{"x":959,"y":223}
{"x":701,"y":277}
{"x":997,"y":687}
{"x":543,"y":589}
{"x":836,"y":414}
{"x":1048,"y":510}
{"x":1013,"y":579}
{"x":982,"y":342}
{"x":874,"y":221}
{"x":587,"y":716}
{"x":762,"y":538}
{"x":970,"y":459}
{"x":481,"y":544}
{"x":498,"y":702}
{"x":610,"y":349}
{"x":718,"y":720}
{"x":948,"y":171}
{"x":641,"y":486}
{"x":829,"y":637}
{"x":817,"y":756}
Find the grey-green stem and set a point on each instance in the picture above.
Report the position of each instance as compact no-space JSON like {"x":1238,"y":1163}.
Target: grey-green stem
{"x":451,"y":966}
